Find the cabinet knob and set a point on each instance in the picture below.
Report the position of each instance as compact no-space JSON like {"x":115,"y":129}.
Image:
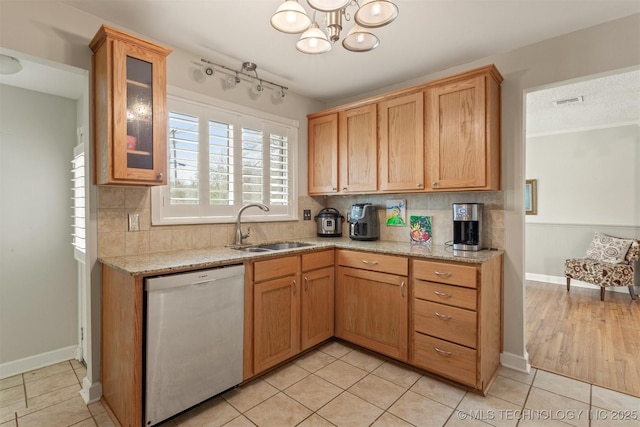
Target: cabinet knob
{"x":434,"y":184}
{"x":344,"y":188}
{"x":419,"y":185}
{"x":160,"y":176}
{"x":334,"y":189}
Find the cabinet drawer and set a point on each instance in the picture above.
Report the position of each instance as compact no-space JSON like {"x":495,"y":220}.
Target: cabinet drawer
{"x":316,"y":260}
{"x":446,"y":322}
{"x":454,"y":274}
{"x":444,"y":358}
{"x":374,"y":262}
{"x":272,"y":268}
{"x":445,"y":294}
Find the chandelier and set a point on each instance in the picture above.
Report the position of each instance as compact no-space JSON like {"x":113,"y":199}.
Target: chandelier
{"x":292,"y":18}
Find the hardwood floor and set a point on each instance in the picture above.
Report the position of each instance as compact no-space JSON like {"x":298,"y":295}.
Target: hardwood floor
{"x":576,"y":335}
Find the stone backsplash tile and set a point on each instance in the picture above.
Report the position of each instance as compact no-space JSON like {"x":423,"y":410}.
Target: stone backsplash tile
{"x":115,"y":203}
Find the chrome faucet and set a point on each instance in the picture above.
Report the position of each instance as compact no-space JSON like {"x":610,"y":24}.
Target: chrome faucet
{"x":239,"y":234}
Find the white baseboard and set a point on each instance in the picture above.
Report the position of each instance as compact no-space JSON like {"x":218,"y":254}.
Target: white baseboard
{"x":91,"y":392}
{"x":515,"y":362}
{"x":574,"y":283}
{"x":30,"y":363}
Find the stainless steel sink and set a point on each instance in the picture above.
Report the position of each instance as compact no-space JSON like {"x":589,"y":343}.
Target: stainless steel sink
{"x":253,"y":249}
{"x":269,"y":247}
{"x":282,"y":246}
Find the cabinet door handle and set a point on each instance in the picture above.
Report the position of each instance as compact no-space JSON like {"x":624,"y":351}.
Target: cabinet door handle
{"x":294,"y":287}
{"x":442,"y":274}
{"x":402,"y":289}
{"x":444,"y":353}
{"x":442,"y":316}
{"x":364,"y":261}
{"x":306,"y":284}
{"x":442,"y":294}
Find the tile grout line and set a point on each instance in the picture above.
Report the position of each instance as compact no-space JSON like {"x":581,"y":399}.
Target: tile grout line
{"x":456,"y":407}
{"x":528,"y":394}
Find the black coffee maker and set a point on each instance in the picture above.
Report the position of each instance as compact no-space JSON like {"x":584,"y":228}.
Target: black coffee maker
{"x":467,"y":226}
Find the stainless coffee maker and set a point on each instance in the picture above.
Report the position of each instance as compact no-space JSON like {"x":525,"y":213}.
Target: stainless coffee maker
{"x":363,"y":222}
{"x":467,"y":226}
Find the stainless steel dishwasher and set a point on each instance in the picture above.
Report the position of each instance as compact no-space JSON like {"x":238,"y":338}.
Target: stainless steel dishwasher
{"x":194,"y":339}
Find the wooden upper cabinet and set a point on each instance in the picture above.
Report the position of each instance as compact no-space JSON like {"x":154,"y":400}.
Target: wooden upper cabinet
{"x":439,"y":136}
{"x":358,"y":150}
{"x":401,"y":158}
{"x":129,"y":109}
{"x":463,"y":133}
{"x":323,"y":154}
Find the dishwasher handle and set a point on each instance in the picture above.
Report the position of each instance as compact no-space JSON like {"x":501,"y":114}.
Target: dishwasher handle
{"x":192,"y":278}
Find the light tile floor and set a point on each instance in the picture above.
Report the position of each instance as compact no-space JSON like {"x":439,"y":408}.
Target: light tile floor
{"x":338,"y":385}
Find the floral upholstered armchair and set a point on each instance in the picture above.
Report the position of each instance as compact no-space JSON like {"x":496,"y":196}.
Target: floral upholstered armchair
{"x":609,"y":262}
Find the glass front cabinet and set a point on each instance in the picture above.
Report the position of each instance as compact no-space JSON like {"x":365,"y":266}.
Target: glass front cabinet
{"x":129,"y":109}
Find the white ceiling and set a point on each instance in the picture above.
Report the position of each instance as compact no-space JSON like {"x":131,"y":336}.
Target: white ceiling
{"x":611,"y":100}
{"x":428,"y":36}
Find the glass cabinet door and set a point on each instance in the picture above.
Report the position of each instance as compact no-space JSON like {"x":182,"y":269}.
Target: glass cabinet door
{"x":139,"y":87}
{"x":138,"y":105}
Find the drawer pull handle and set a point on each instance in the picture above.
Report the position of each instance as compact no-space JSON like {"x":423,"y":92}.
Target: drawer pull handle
{"x":442,"y":352}
{"x":364,"y":261}
{"x":402,"y":289}
{"x":443,"y":316}
{"x":442,"y":274}
{"x":442,"y":294}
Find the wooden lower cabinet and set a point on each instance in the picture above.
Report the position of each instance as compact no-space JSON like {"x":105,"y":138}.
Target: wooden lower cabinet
{"x":456,"y":320}
{"x":276,"y":315}
{"x":292,"y":307}
{"x":372,"y":306}
{"x":384,"y":303}
{"x":122,"y":345}
{"x":317,"y":298}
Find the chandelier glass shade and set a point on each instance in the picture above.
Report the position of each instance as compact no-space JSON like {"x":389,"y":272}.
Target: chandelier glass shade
{"x":292,"y":18}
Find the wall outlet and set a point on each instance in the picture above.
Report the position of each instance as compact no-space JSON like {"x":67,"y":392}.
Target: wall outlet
{"x":134,"y":222}
{"x":306,"y":214}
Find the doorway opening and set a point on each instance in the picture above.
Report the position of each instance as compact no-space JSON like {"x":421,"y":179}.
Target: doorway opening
{"x":582,"y":150}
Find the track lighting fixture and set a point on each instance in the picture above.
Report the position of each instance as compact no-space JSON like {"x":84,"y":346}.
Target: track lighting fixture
{"x":248,"y":72}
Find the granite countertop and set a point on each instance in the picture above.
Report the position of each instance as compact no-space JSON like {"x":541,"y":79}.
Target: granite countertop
{"x":171,"y":262}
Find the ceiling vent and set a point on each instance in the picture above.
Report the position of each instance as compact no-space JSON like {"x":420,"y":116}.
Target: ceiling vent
{"x":568,"y":101}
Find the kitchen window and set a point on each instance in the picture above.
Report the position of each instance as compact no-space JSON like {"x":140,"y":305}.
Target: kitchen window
{"x":220,"y":159}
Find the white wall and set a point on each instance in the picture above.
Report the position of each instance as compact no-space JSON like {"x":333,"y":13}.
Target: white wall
{"x":588,"y":181}
{"x":587,"y":177}
{"x":38,"y":282}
